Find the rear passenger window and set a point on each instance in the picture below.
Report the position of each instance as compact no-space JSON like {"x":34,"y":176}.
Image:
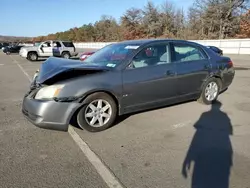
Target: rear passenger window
{"x":68,"y":44}
{"x":186,"y":52}
{"x":56,"y":44}
{"x":152,"y":55}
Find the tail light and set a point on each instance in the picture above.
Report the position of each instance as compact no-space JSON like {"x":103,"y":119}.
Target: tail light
{"x":230,"y":63}
{"x":83,"y":57}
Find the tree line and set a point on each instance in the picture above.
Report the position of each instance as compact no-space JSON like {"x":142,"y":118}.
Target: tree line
{"x":205,"y":19}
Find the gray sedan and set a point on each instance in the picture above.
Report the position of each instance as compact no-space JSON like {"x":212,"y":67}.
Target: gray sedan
{"x":122,"y":78}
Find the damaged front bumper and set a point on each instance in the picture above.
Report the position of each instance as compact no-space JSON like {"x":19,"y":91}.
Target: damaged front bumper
{"x":49,"y":114}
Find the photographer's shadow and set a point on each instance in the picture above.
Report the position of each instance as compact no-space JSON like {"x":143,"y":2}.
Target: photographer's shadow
{"x":210,"y":151}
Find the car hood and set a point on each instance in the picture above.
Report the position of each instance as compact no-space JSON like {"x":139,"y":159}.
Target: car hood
{"x":54,"y":67}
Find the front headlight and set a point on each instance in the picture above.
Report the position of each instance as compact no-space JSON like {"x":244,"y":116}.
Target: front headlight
{"x":49,"y":92}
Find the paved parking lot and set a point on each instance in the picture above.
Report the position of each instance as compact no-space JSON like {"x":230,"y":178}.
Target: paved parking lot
{"x":149,"y":149}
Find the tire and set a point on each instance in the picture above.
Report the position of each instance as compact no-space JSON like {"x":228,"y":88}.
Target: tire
{"x":94,"y":115}
{"x":66,"y":55}
{"x":32,"y":56}
{"x":204,"y":94}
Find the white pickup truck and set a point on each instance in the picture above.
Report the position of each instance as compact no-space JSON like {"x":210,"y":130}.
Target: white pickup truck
{"x":65,"y":49}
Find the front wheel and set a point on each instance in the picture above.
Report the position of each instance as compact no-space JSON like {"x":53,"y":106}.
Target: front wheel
{"x":210,"y":91}
{"x":98,"y":113}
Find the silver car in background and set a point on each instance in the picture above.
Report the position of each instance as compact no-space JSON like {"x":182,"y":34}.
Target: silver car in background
{"x":65,"y":49}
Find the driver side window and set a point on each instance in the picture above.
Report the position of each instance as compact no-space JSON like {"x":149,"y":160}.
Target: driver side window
{"x":150,"y":56}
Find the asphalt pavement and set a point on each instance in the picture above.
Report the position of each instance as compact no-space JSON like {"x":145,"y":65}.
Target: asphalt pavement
{"x":32,"y":157}
{"x":184,"y":145}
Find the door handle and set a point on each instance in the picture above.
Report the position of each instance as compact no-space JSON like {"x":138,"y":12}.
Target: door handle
{"x":170,"y":73}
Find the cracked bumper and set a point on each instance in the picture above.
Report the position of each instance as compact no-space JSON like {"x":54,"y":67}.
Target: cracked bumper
{"x":49,"y":114}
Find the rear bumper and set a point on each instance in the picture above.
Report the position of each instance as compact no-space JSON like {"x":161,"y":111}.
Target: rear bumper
{"x":49,"y":114}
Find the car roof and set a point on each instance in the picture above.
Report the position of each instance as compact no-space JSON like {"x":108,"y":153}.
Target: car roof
{"x":148,"y":41}
{"x":212,"y":46}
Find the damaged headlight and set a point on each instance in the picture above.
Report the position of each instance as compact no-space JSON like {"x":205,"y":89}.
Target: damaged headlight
{"x":49,"y":92}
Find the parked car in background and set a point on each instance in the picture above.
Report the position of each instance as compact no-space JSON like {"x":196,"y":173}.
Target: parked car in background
{"x":122,"y":78}
{"x":65,"y":49}
{"x":49,"y":48}
{"x":85,"y":55}
{"x":4,"y":45}
{"x":216,"y":50}
{"x":12,"y":49}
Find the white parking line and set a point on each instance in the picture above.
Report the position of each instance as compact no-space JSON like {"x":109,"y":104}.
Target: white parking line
{"x":101,"y":168}
{"x":180,"y":125}
{"x":25,"y":73}
{"x":104,"y":172}
{"x":1,"y":64}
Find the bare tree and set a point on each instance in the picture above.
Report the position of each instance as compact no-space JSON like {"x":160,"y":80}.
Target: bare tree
{"x":220,"y":18}
{"x":167,"y":18}
{"x":206,"y":19}
{"x":151,"y":19}
{"x":131,"y":24}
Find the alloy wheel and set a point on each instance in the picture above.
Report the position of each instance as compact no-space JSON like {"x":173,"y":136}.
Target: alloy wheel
{"x":66,"y":56}
{"x":211,"y":91}
{"x":98,"y":113}
{"x":33,"y":57}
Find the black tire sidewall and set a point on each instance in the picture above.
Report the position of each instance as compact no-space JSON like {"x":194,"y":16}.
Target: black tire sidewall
{"x":203,"y":97}
{"x":80,"y":115}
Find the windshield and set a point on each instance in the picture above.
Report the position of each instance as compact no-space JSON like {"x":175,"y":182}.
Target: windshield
{"x":111,"y":55}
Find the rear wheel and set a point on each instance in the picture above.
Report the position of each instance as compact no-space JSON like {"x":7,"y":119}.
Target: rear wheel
{"x":32,"y":56}
{"x":66,"y":55}
{"x":98,"y":113}
{"x":210,"y":91}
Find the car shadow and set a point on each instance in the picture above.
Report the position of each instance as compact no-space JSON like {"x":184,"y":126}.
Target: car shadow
{"x":41,"y":59}
{"x":210,"y":153}
{"x":75,"y":58}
